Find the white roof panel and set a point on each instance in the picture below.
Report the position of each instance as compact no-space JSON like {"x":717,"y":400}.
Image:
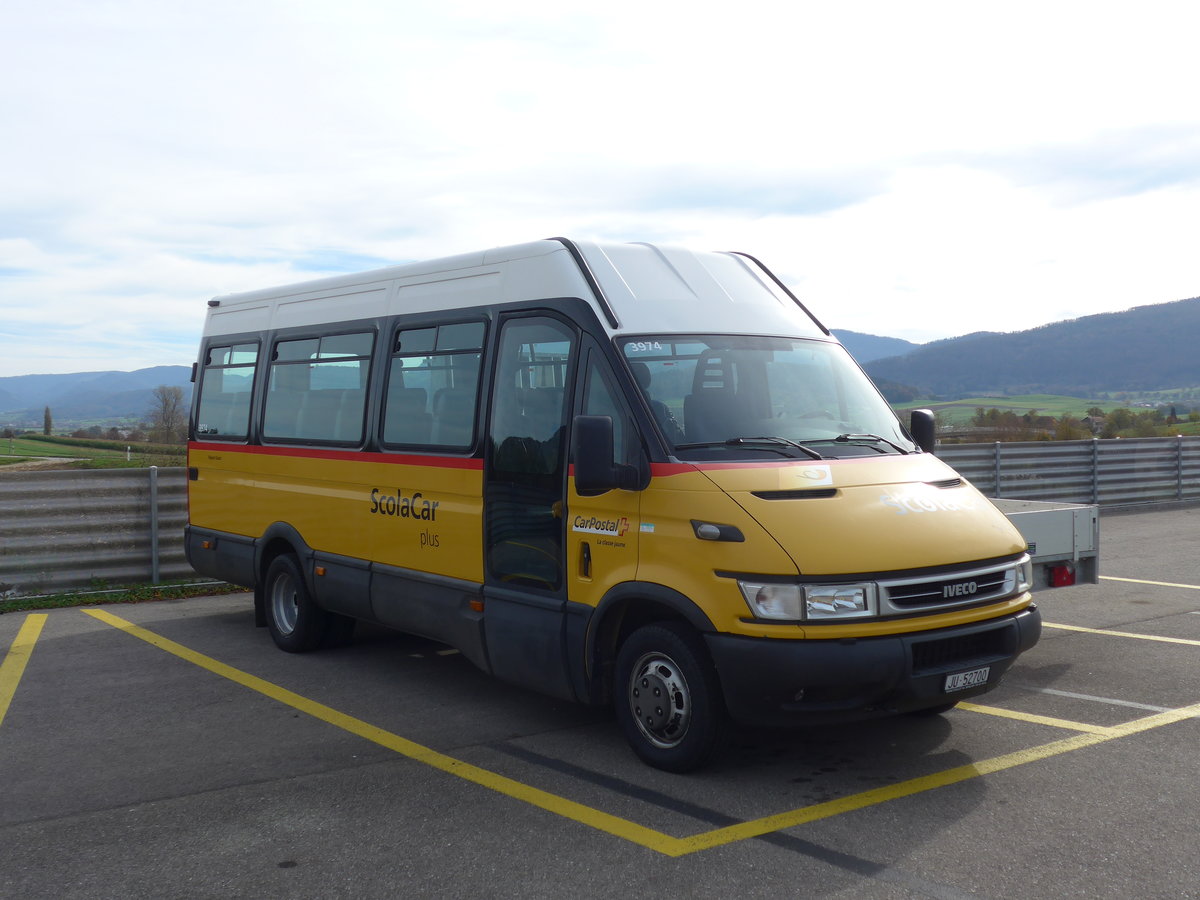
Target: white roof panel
{"x":662,"y":289}
{"x":650,"y":289}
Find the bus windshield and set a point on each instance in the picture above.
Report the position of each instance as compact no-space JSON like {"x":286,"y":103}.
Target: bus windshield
{"x":714,"y":396}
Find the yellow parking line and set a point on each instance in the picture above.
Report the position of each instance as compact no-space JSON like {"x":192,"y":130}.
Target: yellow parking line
{"x":631,"y":831}
{"x":908,"y":788}
{"x":615,"y":825}
{"x":1170,"y":717}
{"x":18,"y":655}
{"x":1190,"y":587}
{"x":1034,"y":719}
{"x":767,"y":824}
{"x":1128,"y":634}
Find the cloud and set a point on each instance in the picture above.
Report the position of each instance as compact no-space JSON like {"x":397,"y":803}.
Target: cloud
{"x":916,"y":170}
{"x":1107,"y":165}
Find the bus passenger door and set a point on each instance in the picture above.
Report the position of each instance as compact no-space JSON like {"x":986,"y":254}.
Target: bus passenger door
{"x":524,"y":502}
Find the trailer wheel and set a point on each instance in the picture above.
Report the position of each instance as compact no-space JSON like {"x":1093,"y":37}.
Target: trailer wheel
{"x":296,"y":623}
{"x":668,"y":699}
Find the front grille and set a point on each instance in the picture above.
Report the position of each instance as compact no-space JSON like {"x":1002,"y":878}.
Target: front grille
{"x":951,"y":589}
{"x":947,"y":589}
{"x":956,"y":652}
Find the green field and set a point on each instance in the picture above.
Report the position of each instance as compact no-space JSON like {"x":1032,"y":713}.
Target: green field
{"x":90,"y":453}
{"x":28,"y":448}
{"x":960,"y":412}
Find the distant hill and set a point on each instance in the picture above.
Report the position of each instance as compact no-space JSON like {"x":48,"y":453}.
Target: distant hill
{"x":86,"y":395}
{"x":866,"y":347}
{"x":1148,"y":348}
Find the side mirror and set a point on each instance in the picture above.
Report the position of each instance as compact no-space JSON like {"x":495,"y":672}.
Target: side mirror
{"x":592,"y":450}
{"x":923,"y":427}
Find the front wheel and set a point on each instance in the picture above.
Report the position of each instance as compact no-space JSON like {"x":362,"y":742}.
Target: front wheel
{"x":296,"y":623}
{"x":668,"y":699}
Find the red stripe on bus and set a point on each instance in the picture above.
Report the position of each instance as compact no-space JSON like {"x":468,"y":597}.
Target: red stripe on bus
{"x":407,"y":459}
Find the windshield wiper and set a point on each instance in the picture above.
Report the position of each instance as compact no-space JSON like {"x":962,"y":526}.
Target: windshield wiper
{"x":872,"y":438}
{"x":737,"y":441}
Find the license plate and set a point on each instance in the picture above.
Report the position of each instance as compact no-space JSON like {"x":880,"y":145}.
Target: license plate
{"x":960,"y":681}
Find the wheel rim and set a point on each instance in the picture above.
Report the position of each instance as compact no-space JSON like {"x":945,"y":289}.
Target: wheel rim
{"x":659,"y":700}
{"x":285,"y":608}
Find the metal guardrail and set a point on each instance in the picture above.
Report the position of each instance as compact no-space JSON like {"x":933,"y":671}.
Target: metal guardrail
{"x":1114,"y":472}
{"x":69,"y":530}
{"x":64,"y":530}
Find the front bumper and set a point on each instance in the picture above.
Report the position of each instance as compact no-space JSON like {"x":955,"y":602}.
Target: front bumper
{"x":769,"y":681}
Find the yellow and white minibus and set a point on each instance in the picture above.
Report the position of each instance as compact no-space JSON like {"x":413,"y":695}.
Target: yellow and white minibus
{"x":613,"y":473}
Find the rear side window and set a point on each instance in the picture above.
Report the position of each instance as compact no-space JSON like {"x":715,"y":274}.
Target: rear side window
{"x":433,"y":386}
{"x":317,"y":390}
{"x":225,"y":391}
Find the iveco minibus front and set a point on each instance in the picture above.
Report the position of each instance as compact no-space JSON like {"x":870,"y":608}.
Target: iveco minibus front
{"x":838,"y":570}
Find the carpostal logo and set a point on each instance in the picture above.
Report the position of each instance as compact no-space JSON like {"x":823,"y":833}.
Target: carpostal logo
{"x":594,"y":525}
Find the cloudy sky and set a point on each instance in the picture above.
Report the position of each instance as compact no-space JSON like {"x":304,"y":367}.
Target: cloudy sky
{"x":916,"y":169}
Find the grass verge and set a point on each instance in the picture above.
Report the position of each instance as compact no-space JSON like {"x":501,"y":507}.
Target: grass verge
{"x":144,"y":593}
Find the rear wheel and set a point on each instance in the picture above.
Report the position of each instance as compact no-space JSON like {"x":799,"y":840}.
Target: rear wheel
{"x":296,"y":623}
{"x":668,"y":699}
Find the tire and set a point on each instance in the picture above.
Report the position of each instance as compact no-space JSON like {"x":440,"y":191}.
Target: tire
{"x":296,"y":623}
{"x":668,"y":698}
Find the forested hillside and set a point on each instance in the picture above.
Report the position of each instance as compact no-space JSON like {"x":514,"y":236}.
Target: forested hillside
{"x":866,"y":347}
{"x":86,"y":395}
{"x":1144,"y":349}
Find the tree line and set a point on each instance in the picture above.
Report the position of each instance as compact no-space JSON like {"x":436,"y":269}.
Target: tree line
{"x":1007,"y":425}
{"x":166,"y":422}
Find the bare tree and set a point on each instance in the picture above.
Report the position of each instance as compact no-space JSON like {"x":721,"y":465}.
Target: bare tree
{"x":168,"y":419}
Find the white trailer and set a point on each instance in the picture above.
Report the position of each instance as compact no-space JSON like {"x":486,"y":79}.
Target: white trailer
{"x":1064,"y":540}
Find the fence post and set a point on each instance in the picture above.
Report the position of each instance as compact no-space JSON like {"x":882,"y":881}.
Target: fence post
{"x":1179,"y":467}
{"x":996,"y":490}
{"x":1095,"y":470}
{"x":154,"y":570}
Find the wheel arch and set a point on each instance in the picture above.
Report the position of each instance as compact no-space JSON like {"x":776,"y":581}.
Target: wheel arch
{"x":278,"y":539}
{"x":625,"y":608}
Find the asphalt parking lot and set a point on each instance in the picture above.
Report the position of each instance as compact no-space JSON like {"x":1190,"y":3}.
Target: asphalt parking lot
{"x":169,"y":750}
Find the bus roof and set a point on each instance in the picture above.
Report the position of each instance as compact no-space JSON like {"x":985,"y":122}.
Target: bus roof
{"x":636,"y":288}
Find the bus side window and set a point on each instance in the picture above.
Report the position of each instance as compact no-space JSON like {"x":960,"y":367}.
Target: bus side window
{"x":317,"y":389}
{"x":433,"y":386}
{"x":600,"y":399}
{"x":225,"y":390}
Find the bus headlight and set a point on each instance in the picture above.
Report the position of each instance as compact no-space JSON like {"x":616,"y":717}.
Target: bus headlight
{"x":839,"y":601}
{"x":809,"y":602}
{"x":772,"y":601}
{"x":1024,"y":575}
